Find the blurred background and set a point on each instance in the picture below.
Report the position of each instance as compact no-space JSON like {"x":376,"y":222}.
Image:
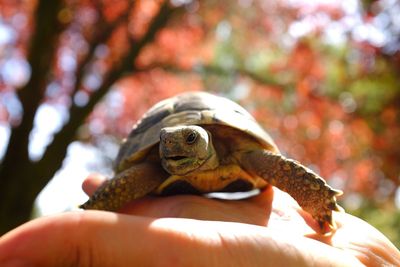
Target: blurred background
{"x":322,"y":77}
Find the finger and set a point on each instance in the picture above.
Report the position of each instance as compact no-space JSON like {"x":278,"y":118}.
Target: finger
{"x":287,"y":216}
{"x":313,"y":224}
{"x":284,"y":204}
{"x":200,"y":208}
{"x":264,"y":199}
{"x":91,"y":183}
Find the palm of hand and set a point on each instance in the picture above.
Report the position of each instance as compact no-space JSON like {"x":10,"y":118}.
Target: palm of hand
{"x":161,"y":231}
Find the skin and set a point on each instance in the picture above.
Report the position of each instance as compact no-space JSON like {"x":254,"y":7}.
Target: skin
{"x":195,"y":231}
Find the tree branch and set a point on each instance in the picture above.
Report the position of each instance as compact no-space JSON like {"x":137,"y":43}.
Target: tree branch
{"x":217,"y":70}
{"x":56,"y":151}
{"x":103,"y":34}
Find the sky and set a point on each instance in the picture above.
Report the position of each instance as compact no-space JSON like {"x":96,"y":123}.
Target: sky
{"x":64,"y":190}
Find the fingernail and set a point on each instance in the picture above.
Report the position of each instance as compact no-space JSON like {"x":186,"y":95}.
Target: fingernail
{"x":16,"y":263}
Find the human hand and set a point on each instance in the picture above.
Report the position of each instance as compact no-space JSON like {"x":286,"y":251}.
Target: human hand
{"x":155,"y":231}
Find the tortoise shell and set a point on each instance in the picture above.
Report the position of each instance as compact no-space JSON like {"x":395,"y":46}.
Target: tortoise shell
{"x":191,"y":108}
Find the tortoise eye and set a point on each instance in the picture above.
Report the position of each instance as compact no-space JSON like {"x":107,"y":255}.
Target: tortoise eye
{"x":191,"y":138}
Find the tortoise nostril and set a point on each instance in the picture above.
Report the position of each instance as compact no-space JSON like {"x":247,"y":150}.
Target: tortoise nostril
{"x":164,"y":141}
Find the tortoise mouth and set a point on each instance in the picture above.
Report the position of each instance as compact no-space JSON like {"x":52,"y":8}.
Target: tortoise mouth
{"x":179,"y":165}
{"x":176,"y":158}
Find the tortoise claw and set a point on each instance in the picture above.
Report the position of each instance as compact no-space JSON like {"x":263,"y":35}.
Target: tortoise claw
{"x":335,"y":192}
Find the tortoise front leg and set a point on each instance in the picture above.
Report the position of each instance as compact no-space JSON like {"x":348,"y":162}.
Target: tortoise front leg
{"x":135,"y":182}
{"x":311,"y":191}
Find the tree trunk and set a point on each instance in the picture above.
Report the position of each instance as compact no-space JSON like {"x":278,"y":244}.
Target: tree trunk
{"x":16,"y":172}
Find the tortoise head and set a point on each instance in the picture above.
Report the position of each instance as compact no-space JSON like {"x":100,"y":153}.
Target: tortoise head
{"x":184,"y":149}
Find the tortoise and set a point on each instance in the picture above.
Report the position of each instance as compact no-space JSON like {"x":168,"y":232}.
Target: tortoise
{"x":196,"y":143}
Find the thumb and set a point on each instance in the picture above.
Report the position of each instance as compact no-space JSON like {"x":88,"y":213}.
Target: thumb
{"x":92,"y":182}
{"x":91,"y":238}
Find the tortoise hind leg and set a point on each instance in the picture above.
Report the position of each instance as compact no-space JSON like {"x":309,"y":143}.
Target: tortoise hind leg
{"x":135,"y":182}
{"x":312,"y":193}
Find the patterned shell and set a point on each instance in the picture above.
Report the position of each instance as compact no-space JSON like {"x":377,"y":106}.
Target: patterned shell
{"x":192,"y":108}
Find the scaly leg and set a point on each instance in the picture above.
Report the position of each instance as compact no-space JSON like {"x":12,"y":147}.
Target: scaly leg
{"x":311,"y":191}
{"x":135,"y":182}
